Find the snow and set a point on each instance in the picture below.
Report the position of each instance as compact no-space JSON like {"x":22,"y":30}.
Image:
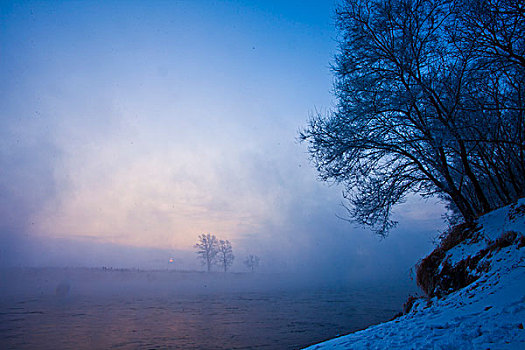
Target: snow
{"x":487,"y":314}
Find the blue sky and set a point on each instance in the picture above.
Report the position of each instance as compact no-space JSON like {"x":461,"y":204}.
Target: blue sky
{"x":144,"y":124}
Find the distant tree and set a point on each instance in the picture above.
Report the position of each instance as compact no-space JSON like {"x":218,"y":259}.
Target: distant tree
{"x":207,"y":249}
{"x":252,"y":262}
{"x":225,"y":254}
{"x":431,"y":100}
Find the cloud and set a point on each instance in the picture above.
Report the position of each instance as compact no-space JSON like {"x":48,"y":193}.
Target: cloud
{"x":145,"y":136}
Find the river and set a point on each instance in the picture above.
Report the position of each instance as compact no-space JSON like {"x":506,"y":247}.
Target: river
{"x":100,"y":309}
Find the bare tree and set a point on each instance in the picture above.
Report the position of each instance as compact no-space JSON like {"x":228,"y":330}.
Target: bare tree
{"x":252,"y":262}
{"x":225,"y":254}
{"x":207,"y":249}
{"x":431,"y":100}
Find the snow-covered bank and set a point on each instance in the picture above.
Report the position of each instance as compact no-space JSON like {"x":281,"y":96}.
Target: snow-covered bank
{"x":488,"y":313}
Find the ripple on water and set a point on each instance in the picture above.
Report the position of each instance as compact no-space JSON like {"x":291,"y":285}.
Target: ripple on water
{"x":265,"y":320}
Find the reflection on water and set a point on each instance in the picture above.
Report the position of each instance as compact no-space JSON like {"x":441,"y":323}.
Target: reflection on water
{"x":275,"y":318}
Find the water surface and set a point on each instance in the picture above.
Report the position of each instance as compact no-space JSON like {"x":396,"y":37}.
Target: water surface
{"x":142,"y":310}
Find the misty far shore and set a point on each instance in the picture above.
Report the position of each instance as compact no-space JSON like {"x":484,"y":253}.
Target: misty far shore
{"x":38,"y":281}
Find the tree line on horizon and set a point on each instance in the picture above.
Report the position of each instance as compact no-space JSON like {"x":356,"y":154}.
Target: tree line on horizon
{"x":430,"y":100}
{"x":212,"y":251}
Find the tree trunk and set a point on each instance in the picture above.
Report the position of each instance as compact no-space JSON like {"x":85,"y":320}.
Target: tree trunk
{"x":485,"y":206}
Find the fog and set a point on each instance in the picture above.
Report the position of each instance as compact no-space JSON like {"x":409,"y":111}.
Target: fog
{"x":126,"y":134}
{"x":129,"y":129}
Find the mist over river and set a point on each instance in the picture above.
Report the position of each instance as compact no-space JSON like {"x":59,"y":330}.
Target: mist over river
{"x":130,"y":309}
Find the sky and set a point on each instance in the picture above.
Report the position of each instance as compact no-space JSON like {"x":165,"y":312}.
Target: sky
{"x":127,"y":129}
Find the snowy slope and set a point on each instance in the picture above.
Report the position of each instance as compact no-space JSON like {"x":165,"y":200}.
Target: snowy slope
{"x":489,"y":313}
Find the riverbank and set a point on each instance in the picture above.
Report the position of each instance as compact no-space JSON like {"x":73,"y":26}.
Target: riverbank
{"x":477,"y":298}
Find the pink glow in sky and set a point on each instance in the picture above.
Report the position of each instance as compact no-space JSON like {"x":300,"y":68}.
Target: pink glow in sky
{"x":145,"y":124}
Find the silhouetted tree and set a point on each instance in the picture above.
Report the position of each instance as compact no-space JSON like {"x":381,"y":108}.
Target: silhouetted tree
{"x":431,"y":100}
{"x":207,"y":249}
{"x":252,"y":262}
{"x":225,"y":254}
